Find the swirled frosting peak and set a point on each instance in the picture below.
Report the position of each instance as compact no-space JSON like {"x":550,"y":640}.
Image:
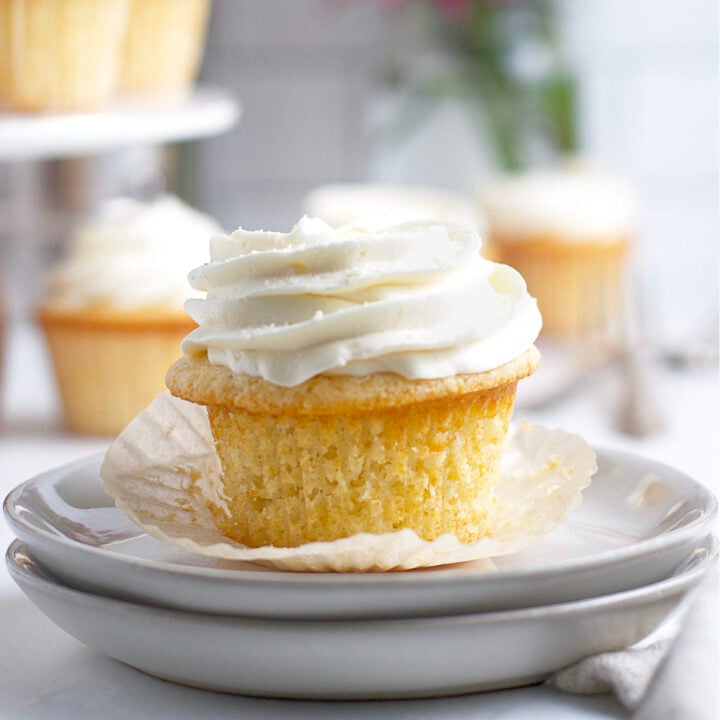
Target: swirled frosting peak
{"x":133,"y":255}
{"x":415,"y":299}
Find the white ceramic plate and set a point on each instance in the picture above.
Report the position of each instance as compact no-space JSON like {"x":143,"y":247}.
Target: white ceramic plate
{"x":391,"y":658}
{"x":638,"y":520}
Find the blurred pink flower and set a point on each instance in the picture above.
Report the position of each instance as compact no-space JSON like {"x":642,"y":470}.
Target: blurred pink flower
{"x":454,"y":9}
{"x":451,"y":9}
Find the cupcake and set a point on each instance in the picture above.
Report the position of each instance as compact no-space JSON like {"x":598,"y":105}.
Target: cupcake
{"x":383,"y":205}
{"x":60,"y":54}
{"x":567,"y":231}
{"x":356,"y":380}
{"x":163,"y":46}
{"x":113,"y":317}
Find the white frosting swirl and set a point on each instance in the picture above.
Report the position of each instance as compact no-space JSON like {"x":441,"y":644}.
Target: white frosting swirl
{"x":415,"y":299}
{"x":133,"y":255}
{"x":573,"y":203}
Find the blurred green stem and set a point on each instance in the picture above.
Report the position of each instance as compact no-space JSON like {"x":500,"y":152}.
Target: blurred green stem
{"x":511,"y":108}
{"x":495,"y":107}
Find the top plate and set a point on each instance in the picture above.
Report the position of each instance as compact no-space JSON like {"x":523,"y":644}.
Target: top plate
{"x":638,"y":521}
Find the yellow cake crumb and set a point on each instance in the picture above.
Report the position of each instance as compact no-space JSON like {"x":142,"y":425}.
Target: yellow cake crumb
{"x":339,"y":455}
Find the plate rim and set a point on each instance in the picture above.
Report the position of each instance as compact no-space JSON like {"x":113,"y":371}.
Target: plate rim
{"x":687,"y":579}
{"x":354,"y":579}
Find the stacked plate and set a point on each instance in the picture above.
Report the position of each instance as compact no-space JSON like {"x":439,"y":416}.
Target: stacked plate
{"x":604,"y":580}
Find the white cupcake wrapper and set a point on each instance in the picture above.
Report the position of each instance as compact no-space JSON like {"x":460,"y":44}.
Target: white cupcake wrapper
{"x":163,"y":470}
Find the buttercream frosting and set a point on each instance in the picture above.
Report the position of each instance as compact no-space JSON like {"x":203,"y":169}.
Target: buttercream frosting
{"x":574,"y":203}
{"x":415,"y":299}
{"x":133,"y":255}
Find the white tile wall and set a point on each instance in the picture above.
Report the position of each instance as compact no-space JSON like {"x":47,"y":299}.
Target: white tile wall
{"x":305,"y":72}
{"x":314,"y":26}
{"x":606,"y":27}
{"x":649,"y":75}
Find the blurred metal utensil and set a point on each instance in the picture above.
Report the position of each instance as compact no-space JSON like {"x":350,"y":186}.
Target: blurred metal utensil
{"x":638,"y":413}
{"x":698,"y":352}
{"x":695,"y":357}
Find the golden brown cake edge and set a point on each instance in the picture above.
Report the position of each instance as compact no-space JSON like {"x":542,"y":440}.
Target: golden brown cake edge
{"x":197,"y":380}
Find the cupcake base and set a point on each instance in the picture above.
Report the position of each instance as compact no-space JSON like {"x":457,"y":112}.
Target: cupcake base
{"x":340,"y":455}
{"x":163,"y":46}
{"x":428,"y":466}
{"x":164,"y":474}
{"x":109,"y":366}
{"x":579,"y":286}
{"x":60,"y":55}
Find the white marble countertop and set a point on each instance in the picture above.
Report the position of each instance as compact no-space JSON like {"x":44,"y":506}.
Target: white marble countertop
{"x":47,"y":674}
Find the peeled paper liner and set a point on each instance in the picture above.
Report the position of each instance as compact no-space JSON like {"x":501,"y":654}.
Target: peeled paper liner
{"x":162,"y":471}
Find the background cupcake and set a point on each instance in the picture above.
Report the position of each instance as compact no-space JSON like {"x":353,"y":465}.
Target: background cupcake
{"x":113,"y":316}
{"x":163,"y":46}
{"x":384,"y":204}
{"x":568,"y":232}
{"x":60,"y":54}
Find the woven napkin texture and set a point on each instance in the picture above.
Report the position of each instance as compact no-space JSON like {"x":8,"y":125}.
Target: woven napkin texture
{"x":669,"y":675}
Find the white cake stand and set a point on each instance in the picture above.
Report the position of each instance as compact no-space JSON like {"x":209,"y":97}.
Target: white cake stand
{"x":129,"y":122}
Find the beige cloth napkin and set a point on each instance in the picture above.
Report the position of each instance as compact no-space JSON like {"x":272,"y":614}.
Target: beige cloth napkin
{"x":670,"y":675}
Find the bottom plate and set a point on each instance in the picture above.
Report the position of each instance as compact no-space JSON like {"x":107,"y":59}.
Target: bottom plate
{"x":366,"y":659}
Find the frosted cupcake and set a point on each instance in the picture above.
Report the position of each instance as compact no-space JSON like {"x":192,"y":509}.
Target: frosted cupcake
{"x":382,"y":205}
{"x":60,"y":54}
{"x":113,"y":316}
{"x":568,"y":232}
{"x":163,"y":46}
{"x":356,"y":380}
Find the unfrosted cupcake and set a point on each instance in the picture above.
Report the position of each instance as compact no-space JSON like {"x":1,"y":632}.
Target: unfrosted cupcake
{"x":60,"y":54}
{"x":163,"y":46}
{"x":113,"y":316}
{"x":382,"y":205}
{"x":568,"y":232}
{"x":355,"y":380}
